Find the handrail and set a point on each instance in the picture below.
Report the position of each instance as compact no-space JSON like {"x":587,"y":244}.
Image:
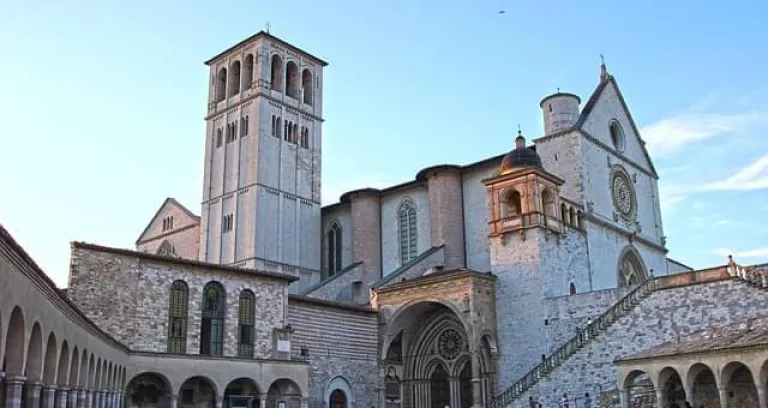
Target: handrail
{"x":619,"y":309}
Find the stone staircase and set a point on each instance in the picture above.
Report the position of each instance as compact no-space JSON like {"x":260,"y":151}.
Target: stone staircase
{"x":756,"y":276}
{"x":576,"y":343}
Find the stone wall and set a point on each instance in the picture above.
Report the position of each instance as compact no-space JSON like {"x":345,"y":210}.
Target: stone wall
{"x":663,"y":316}
{"x":340,"y":343}
{"x":127,"y":293}
{"x":339,"y":287}
{"x":567,"y":313}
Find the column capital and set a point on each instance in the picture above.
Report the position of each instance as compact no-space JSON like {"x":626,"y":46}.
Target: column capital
{"x":35,"y":385}
{"x":15,"y":379}
{"x":62,"y":388}
{"x":47,"y":387}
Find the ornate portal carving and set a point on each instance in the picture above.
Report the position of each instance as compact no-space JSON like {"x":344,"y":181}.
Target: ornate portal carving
{"x":449,"y":344}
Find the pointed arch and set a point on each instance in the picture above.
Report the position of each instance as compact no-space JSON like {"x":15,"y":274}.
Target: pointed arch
{"x":276,"y":73}
{"x":548,"y":202}
{"x":221,"y":84}
{"x":334,"y":248}
{"x":292,"y":79}
{"x":34,"y":365}
{"x":177,"y":315}
{"x":631,"y":270}
{"x":166,"y":249}
{"x":74,"y":369}
{"x":14,"y":341}
{"x":306,"y":85}
{"x":245,"y":320}
{"x":212,"y":327}
{"x":512,"y":204}
{"x":407,"y":230}
{"x":61,"y":376}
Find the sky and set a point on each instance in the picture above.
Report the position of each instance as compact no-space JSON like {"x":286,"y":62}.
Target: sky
{"x":103,"y":103}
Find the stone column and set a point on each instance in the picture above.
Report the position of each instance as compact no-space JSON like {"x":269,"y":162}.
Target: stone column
{"x":723,"y":397}
{"x":2,"y":383}
{"x":446,"y":212}
{"x":89,"y":399}
{"x":174,"y":401}
{"x":624,"y":398}
{"x":477,"y":385}
{"x":82,"y":398}
{"x":13,"y":389}
{"x":33,"y":394}
{"x":660,"y":401}
{"x":219,"y":402}
{"x":305,"y":403}
{"x":102,"y":399}
{"x":262,"y":401}
{"x":72,"y":398}
{"x":61,"y":397}
{"x":454,"y":396}
{"x":762,"y":396}
{"x":48,"y":396}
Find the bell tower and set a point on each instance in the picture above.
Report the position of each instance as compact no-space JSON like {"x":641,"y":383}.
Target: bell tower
{"x":261,"y":193}
{"x":529,"y":255}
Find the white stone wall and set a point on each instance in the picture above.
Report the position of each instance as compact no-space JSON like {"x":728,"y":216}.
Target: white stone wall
{"x":476,"y":213}
{"x":605,"y":248}
{"x":390,"y":232}
{"x":127,"y":296}
{"x":564,"y":260}
{"x":561,"y":155}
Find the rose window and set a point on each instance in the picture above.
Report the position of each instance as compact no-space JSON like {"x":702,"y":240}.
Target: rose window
{"x":449,"y":344}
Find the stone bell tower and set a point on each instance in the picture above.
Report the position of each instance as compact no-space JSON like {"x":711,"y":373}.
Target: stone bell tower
{"x":526,"y":233}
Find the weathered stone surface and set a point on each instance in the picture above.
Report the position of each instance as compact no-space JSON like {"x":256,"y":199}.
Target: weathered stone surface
{"x":127,"y":295}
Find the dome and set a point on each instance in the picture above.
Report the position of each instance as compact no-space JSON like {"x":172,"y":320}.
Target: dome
{"x":520,"y":157}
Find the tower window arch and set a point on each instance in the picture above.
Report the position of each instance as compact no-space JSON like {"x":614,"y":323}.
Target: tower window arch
{"x":306,"y":86}
{"x":292,"y":79}
{"x":512,"y":204}
{"x":212,"y":327}
{"x":334,"y":249}
{"x":631,"y":271}
{"x":276,"y":77}
{"x":248,"y":72}
{"x":564,"y":213}
{"x":406,"y":215}
{"x":177,"y":316}
{"x":245,"y":324}
{"x":572,"y":288}
{"x":234,"y":78}
{"x":221,"y":85}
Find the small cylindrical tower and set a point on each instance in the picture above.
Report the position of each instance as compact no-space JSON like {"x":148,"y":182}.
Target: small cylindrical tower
{"x":365,"y":207}
{"x":560,"y":111}
{"x":446,"y":211}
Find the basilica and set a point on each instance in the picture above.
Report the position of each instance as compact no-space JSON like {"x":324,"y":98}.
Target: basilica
{"x":540,"y":274}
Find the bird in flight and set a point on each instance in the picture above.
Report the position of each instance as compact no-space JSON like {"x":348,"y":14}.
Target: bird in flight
{"x":502,"y":12}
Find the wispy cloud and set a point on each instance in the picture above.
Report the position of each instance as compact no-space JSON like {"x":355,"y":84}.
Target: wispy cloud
{"x":752,"y":177}
{"x":670,"y":135}
{"x":750,"y":253}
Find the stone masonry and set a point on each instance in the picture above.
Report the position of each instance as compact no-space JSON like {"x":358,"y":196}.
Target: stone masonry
{"x":663,"y":316}
{"x":126,"y":293}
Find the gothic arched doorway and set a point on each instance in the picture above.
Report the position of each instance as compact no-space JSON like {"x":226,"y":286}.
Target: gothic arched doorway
{"x":338,"y":399}
{"x":439,"y":388}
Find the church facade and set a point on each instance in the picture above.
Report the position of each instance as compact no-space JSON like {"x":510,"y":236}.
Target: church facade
{"x":471,"y":285}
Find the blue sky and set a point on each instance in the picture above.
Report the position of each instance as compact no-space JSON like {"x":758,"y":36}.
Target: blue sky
{"x":103,"y":102}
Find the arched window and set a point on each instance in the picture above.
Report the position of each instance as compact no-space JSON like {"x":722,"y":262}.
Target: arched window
{"x":579,"y":220}
{"x":334,"y":249}
{"x":177,"y":316}
{"x":234,"y":78}
{"x":617,"y":135}
{"x":248,"y":72}
{"x":166,"y":249}
{"x":631,"y":270}
{"x":306,"y":86}
{"x":245,"y":324}
{"x":292,"y":79}
{"x":295,"y":134}
{"x":212,"y":328}
{"x":274,"y":125}
{"x":573,"y":221}
{"x":338,"y":399}
{"x":278,"y":127}
{"x":407,"y":225}
{"x":572,"y":289}
{"x":221,"y":85}
{"x":305,"y":138}
{"x":548,"y":202}
{"x":512,"y":205}
{"x":564,"y":213}
{"x":277,"y":73}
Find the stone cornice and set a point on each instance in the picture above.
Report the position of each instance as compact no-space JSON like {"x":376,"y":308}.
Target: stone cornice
{"x":266,"y":93}
{"x":219,"y":358}
{"x":170,"y":233}
{"x":437,"y":277}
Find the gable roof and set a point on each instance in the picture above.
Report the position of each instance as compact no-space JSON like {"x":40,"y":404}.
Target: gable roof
{"x":590,"y":105}
{"x":168,"y":201}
